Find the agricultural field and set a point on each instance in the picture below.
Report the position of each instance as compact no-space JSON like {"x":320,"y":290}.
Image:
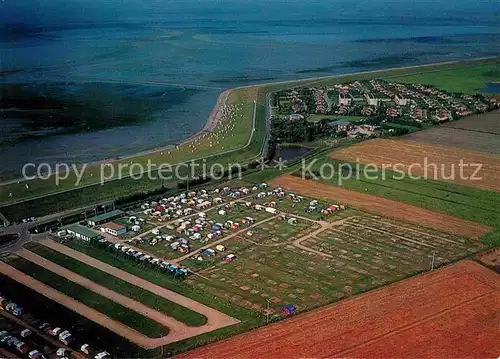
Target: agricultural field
{"x":491,"y":259}
{"x":426,"y":161}
{"x":478,"y":133}
{"x":421,"y":317}
{"x":469,"y":203}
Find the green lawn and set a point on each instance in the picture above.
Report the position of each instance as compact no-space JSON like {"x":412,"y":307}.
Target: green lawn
{"x":85,"y":296}
{"x":467,"y":79}
{"x":109,"y":281}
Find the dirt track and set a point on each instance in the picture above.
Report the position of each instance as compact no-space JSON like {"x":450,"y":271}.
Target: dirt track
{"x":173,"y":325}
{"x":178,"y":331}
{"x":419,"y":159}
{"x":452,"y":312}
{"x":384,"y":207}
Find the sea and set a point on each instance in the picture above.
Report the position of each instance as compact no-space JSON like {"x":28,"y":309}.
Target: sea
{"x":83,"y":80}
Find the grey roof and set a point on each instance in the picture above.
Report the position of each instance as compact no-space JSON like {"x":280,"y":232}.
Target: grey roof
{"x":106,"y":216}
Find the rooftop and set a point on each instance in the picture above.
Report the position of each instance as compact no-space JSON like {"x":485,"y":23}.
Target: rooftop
{"x":113,"y":225}
{"x":105,"y":216}
{"x":84,"y":231}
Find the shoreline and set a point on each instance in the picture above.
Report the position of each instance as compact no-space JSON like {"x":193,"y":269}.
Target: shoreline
{"x":216,"y":113}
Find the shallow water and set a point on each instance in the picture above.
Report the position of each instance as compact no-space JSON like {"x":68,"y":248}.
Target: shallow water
{"x":149,"y":72}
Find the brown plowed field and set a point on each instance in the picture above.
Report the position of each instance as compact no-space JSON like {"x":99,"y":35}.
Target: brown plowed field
{"x":384,"y":207}
{"x":414,"y":157}
{"x":452,"y":312}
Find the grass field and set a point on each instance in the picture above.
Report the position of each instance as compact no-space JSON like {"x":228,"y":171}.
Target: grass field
{"x":161,"y":279}
{"x":469,"y":79}
{"x":93,"y":300}
{"x":364,"y":252}
{"x":469,"y":76}
{"x":149,"y":299}
{"x":459,"y":201}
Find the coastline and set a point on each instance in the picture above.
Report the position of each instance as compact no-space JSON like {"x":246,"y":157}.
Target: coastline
{"x":216,"y":113}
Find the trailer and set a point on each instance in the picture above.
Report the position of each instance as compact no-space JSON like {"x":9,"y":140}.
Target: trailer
{"x":272,"y":210}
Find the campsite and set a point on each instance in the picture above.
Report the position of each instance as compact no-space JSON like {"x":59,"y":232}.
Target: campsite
{"x":229,"y":257}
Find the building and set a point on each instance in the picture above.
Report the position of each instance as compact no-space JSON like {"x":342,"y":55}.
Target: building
{"x":82,"y":232}
{"x":400,"y":100}
{"x":344,"y":100}
{"x":442,"y":115}
{"x":114,"y":229}
{"x":341,"y":125}
{"x":371,"y":100}
{"x":295,"y":117}
{"x":105,"y":217}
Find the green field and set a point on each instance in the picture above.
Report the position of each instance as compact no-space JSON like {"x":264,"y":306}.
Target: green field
{"x":85,"y":296}
{"x":160,"y":279}
{"x":469,"y":79}
{"x":468,"y":76}
{"x":113,"y":283}
{"x":459,"y":201}
{"x":355,"y":258}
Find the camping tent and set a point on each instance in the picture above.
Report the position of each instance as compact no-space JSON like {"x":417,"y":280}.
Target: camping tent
{"x":288,"y":309}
